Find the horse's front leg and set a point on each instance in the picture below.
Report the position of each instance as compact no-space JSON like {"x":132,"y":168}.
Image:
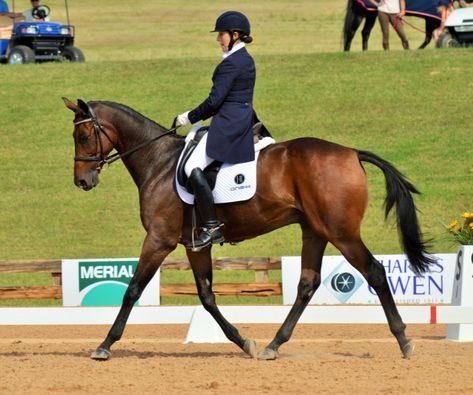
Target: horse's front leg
{"x":311,"y":261}
{"x":201,"y":263}
{"x":154,"y":250}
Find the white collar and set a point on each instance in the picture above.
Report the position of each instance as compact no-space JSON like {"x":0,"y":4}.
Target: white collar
{"x":235,"y":48}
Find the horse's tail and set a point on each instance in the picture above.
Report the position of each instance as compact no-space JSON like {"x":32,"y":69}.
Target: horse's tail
{"x":399,"y":193}
{"x":349,"y":20}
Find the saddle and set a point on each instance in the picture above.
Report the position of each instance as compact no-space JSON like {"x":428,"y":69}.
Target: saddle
{"x":211,"y":171}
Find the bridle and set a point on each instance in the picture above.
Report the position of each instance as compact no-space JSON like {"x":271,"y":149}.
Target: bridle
{"x":98,"y":129}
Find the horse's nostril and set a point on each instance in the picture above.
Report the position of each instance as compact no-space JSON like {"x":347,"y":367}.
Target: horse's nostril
{"x":81,"y":184}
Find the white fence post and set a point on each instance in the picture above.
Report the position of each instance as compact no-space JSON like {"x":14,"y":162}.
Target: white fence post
{"x":462,"y":293}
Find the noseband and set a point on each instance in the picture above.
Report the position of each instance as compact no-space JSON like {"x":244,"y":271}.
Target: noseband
{"x":98,"y":128}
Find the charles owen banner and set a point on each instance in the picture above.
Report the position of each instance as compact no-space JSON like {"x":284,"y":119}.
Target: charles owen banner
{"x":341,"y":283}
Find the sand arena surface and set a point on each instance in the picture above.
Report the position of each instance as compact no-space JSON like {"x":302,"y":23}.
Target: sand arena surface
{"x":351,"y":359}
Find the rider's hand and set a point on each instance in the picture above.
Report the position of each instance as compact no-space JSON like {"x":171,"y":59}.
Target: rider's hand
{"x":183,"y":119}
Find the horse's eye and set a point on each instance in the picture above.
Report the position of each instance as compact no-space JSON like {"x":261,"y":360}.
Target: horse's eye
{"x":84,"y":138}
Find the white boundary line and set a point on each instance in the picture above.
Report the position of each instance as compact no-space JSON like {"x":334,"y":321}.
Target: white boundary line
{"x":235,"y":314}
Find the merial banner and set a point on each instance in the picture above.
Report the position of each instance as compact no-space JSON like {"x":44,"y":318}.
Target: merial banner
{"x":102,"y":282}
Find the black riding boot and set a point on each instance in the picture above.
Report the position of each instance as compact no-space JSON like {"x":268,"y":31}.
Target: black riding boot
{"x":211,"y":232}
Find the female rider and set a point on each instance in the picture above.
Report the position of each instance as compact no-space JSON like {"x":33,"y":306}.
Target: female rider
{"x":230,"y":135}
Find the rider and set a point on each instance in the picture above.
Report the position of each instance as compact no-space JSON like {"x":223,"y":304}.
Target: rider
{"x":230,"y":102}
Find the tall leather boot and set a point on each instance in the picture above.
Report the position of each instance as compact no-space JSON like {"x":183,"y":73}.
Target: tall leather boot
{"x":211,"y":233}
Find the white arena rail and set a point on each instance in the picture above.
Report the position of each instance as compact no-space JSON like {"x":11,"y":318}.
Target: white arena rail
{"x":235,"y":314}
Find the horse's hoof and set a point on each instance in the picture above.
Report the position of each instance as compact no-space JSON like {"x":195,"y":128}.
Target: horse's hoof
{"x":408,"y":349}
{"x":268,"y":354}
{"x":101,"y":354}
{"x":250,"y":348}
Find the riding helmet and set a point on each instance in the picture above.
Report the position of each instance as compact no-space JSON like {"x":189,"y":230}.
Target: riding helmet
{"x":232,"y":21}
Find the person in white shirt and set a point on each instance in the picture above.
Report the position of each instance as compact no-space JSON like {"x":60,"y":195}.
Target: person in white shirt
{"x":391,"y":12}
{"x":37,"y":9}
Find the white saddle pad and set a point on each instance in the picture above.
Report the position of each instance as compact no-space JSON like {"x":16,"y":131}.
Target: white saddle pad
{"x":234,"y":183}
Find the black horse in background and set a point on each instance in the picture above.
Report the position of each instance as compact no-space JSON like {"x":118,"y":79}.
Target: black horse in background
{"x":357,"y":10}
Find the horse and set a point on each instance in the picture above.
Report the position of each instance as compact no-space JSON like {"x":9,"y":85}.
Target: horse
{"x":320,"y":185}
{"x":356,"y":12}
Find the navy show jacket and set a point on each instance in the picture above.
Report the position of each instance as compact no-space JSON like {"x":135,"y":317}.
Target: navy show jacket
{"x":230,"y":102}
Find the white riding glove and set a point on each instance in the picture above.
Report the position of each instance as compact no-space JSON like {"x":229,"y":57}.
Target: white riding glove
{"x":183,"y":119}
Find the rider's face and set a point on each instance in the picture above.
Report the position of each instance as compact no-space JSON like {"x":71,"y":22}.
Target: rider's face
{"x":223,"y":39}
{"x":35,"y":3}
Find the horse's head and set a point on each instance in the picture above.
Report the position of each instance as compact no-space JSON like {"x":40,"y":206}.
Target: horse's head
{"x":93,"y":141}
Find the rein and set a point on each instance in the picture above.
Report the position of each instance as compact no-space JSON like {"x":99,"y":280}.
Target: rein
{"x":102,"y":159}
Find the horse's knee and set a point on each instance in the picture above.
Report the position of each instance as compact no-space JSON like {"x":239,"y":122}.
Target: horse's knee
{"x":132,"y":294}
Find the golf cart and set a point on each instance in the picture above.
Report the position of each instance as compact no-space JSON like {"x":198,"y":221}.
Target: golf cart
{"x":37,"y":41}
{"x":459,"y":29}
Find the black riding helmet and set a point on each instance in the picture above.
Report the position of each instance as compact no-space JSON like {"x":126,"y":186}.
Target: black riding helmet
{"x":234,"y":21}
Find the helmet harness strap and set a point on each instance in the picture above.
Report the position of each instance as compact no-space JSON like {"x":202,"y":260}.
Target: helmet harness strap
{"x":232,"y":40}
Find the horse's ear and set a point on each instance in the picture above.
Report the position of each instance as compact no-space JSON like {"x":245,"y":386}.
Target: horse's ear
{"x":83,"y":106}
{"x":70,"y":105}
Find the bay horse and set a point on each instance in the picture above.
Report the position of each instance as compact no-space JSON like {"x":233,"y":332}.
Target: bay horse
{"x":356,"y":12}
{"x":320,"y":185}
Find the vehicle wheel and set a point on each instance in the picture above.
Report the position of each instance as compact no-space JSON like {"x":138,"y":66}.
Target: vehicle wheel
{"x":447,"y":41}
{"x":72,"y":54}
{"x":21,"y":54}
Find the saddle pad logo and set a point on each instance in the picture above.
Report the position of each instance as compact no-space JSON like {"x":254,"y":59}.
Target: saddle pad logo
{"x":239,"y":179}
{"x":343,"y":282}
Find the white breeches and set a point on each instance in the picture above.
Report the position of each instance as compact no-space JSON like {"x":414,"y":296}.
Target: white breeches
{"x":199,"y":157}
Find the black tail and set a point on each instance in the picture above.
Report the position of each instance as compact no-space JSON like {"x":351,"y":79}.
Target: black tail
{"x":399,"y":193}
{"x":348,"y":24}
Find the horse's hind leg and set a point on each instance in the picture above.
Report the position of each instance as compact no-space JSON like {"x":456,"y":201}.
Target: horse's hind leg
{"x":201,"y":263}
{"x":312,"y":252}
{"x":359,"y":256}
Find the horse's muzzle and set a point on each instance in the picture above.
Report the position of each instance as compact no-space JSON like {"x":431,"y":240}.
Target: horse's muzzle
{"x":87,"y":181}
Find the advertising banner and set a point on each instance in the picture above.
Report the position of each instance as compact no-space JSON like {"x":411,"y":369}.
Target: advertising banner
{"x":342,"y":283}
{"x":462,"y":293}
{"x":103,"y":282}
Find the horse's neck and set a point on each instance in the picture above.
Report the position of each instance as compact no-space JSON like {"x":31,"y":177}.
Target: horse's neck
{"x":155,"y":158}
